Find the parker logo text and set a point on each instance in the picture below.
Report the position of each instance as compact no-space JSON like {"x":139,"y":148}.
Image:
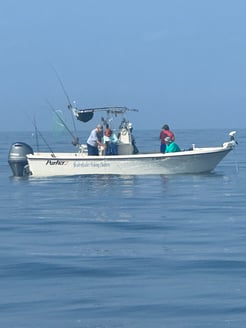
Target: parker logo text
{"x":55,"y":162}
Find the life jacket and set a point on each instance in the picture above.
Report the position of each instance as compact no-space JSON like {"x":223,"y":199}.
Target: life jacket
{"x":166,"y":133}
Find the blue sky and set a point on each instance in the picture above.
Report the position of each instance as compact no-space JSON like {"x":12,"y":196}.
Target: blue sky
{"x":181,"y":62}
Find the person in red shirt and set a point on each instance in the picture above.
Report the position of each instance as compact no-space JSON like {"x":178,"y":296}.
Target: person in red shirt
{"x":108,"y":131}
{"x":165,"y":132}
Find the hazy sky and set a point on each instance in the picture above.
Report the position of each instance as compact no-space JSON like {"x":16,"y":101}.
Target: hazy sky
{"x":181,"y":62}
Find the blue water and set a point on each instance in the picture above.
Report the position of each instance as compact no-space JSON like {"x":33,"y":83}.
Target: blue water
{"x":125,"y":251}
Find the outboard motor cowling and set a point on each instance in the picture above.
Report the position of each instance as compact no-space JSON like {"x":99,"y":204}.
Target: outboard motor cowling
{"x":17,"y":158}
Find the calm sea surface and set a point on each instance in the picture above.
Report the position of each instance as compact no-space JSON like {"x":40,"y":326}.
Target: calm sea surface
{"x":124,"y":251}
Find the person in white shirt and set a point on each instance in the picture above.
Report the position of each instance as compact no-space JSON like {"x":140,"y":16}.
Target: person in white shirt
{"x":94,"y":140}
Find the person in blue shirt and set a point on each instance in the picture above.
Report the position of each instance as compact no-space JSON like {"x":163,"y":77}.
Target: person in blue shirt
{"x":171,"y":146}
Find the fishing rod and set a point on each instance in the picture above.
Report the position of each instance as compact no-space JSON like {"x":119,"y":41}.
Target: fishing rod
{"x":36,"y":134}
{"x":75,"y":140}
{"x":70,"y":106}
{"x":42,"y":137}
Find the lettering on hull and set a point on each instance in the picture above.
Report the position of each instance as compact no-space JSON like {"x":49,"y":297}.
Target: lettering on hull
{"x":91,"y":164}
{"x":56,"y":162}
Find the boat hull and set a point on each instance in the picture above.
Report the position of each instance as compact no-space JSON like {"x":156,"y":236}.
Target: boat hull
{"x":72,"y":164}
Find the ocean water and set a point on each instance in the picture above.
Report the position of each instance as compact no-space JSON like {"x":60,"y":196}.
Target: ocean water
{"x":124,"y":251}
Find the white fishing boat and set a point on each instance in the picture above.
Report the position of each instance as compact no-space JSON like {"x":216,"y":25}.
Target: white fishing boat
{"x":128,"y":160}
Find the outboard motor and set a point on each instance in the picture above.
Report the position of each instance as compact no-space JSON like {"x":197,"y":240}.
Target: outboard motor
{"x":17,"y":158}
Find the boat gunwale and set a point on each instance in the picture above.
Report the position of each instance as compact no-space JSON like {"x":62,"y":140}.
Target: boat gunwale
{"x":85,"y":157}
